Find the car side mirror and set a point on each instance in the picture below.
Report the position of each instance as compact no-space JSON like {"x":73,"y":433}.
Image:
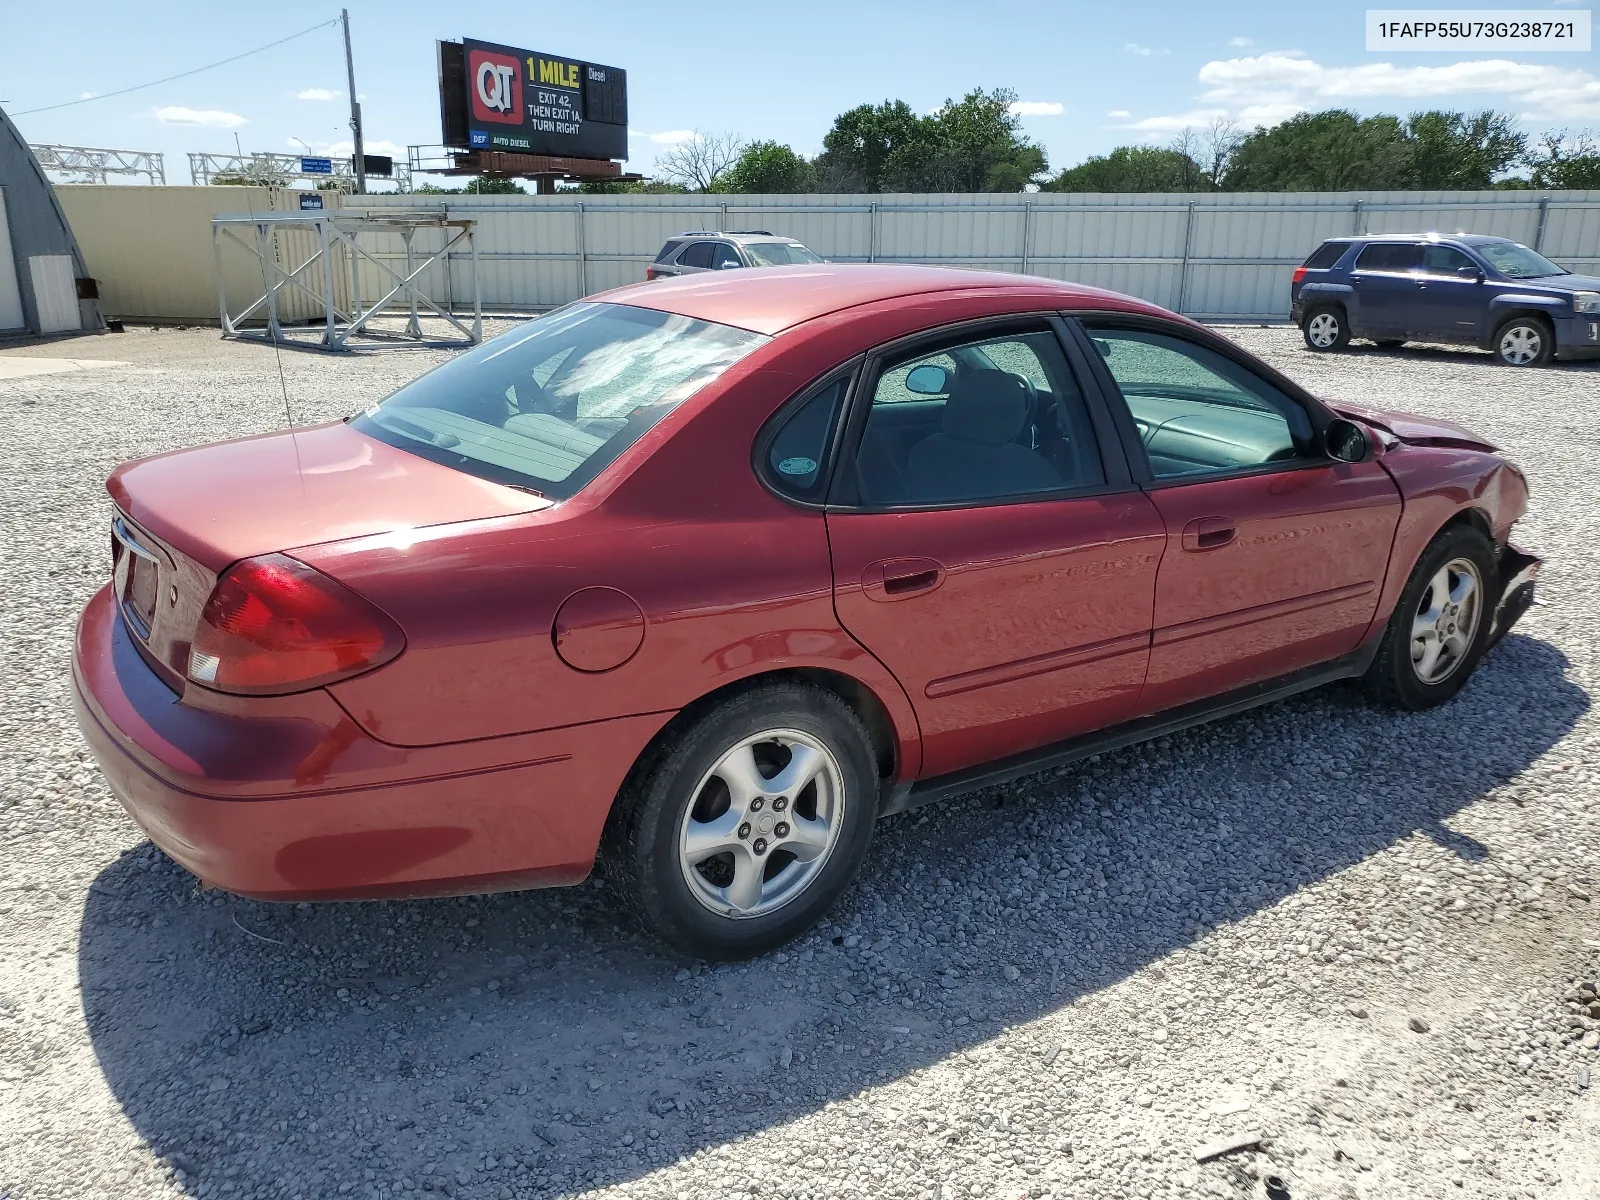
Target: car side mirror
{"x":727,"y":263}
{"x":1345,"y":441}
{"x":1471,"y":273}
{"x":928,"y":380}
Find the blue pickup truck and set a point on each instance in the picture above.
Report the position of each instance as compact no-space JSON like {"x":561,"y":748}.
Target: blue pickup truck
{"x":1470,"y":289}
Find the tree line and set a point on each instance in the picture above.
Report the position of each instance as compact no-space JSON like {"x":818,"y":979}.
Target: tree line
{"x":976,"y":144}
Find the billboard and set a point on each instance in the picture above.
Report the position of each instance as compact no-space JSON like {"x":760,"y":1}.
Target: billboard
{"x":494,"y":97}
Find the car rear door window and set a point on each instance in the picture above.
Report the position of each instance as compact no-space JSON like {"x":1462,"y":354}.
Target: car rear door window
{"x":1197,"y":412}
{"x":697,"y":255}
{"x":796,"y":455}
{"x":725,"y":256}
{"x":1390,"y":256}
{"x":986,"y":419}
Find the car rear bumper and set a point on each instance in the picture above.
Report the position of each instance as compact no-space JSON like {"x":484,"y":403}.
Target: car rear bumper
{"x":287,"y":799}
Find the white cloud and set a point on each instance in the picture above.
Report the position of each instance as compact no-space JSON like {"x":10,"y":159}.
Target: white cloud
{"x":671,"y":137}
{"x":213,"y":118}
{"x":87,"y":95}
{"x":1036,"y":108}
{"x":1119,"y":113}
{"x":315,"y":94}
{"x":1267,"y":88}
{"x":1135,"y":48}
{"x":1280,"y":80}
{"x":1241,"y":41}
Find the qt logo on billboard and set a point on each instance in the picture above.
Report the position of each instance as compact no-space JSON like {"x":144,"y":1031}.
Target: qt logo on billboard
{"x":496,"y":87}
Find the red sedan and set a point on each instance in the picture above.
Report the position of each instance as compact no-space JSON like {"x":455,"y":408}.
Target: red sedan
{"x":704,"y":576}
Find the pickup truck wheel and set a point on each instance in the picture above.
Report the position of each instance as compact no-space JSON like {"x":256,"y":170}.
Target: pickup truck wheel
{"x":1325,"y":329}
{"x":1440,"y":627}
{"x":1524,"y":342}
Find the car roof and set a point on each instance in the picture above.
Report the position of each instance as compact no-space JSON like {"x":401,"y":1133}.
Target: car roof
{"x":735,"y":235}
{"x":771,"y":299}
{"x":1466,"y":239}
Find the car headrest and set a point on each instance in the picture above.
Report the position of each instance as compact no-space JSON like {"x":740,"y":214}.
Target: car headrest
{"x":986,"y":406}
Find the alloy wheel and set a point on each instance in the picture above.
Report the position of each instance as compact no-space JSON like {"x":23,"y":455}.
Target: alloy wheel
{"x":1446,"y":622}
{"x":1323,"y":330}
{"x":1520,"y":345}
{"x":762,"y":823}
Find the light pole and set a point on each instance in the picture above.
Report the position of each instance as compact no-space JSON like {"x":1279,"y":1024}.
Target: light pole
{"x":360,"y":157}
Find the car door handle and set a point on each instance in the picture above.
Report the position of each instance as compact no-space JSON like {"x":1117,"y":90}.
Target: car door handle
{"x":1209,"y":533}
{"x":898,"y":578}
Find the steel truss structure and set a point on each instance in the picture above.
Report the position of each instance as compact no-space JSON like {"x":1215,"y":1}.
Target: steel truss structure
{"x":92,"y":164}
{"x":338,"y":233}
{"x":279,"y":170}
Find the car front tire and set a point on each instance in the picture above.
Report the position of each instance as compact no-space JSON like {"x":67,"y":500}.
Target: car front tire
{"x":1524,"y":342}
{"x":1440,"y":627}
{"x":742,"y":826}
{"x":1326,"y":329}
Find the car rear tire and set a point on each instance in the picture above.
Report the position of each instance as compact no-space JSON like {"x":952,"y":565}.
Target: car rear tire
{"x":1325,"y":329}
{"x":1440,"y":627}
{"x":1524,"y":342}
{"x":742,"y":826}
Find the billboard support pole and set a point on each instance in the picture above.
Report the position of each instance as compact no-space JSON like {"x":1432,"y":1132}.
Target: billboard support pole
{"x":360,"y":158}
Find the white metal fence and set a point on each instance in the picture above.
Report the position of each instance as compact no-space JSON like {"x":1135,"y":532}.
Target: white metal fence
{"x":1220,"y":256}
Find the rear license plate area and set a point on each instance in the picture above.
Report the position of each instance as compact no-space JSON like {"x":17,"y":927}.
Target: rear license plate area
{"x":139,"y":593}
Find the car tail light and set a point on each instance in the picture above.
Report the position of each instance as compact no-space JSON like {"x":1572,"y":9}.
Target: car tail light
{"x":274,"y":625}
{"x":649,"y":274}
{"x":1299,"y":274}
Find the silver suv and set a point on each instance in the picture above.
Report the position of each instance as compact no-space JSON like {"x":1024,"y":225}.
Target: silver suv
{"x":709,"y":250}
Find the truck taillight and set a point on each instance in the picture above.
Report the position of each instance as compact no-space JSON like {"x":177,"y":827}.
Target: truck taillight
{"x":1299,"y":274}
{"x":274,"y":625}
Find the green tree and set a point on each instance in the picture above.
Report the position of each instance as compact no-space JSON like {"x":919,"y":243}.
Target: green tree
{"x":974,"y":144}
{"x":767,"y":168}
{"x":1334,"y":151}
{"x":1565,"y":159}
{"x":1458,"y":150}
{"x":858,"y":147}
{"x":1132,"y":169}
{"x":630,"y":187}
{"x":482,"y":185}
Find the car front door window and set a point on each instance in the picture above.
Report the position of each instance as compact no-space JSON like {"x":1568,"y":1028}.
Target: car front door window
{"x":725,"y":256}
{"x":1197,"y":412}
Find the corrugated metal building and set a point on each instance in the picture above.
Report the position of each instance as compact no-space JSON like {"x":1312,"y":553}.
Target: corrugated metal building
{"x":40,"y":267}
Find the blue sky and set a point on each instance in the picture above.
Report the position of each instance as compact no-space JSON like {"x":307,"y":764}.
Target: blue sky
{"x":1090,"y":77}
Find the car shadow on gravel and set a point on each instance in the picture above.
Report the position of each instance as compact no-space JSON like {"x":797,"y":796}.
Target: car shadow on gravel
{"x":525,"y":1045}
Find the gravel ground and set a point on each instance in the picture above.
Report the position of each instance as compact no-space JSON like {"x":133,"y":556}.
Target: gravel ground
{"x":1356,"y":939}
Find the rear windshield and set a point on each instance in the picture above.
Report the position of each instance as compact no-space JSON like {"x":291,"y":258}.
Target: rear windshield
{"x":779,"y":254}
{"x":1516,"y":261}
{"x":669,"y":250}
{"x":548,"y":405}
{"x":1325,"y":255}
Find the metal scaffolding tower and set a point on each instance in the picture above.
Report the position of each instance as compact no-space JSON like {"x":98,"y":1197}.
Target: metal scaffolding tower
{"x":337,"y":235}
{"x":90,"y":164}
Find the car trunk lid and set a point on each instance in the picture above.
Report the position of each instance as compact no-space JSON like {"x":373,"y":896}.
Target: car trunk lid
{"x":185,"y":516}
